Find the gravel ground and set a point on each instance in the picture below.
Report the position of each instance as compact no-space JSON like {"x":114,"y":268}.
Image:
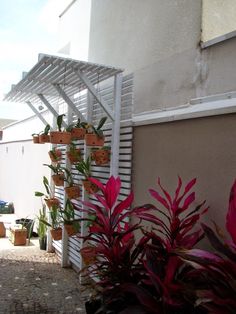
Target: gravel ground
{"x":32,"y":281}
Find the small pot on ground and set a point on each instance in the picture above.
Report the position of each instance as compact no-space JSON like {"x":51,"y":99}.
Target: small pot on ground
{"x":43,"y":243}
{"x":56,"y":234}
{"x":2,"y":230}
{"x":72,"y":192}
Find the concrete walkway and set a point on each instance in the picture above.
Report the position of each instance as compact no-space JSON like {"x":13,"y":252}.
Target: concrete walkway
{"x":32,"y":281}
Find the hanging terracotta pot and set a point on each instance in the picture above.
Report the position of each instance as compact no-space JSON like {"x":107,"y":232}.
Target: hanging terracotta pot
{"x":101,"y":156}
{"x":58,"y":179}
{"x":55,"y":155}
{"x":72,"y":192}
{"x":52,"y":202}
{"x":78,"y":133}
{"x":44,"y":138}
{"x":88,"y":255}
{"x":56,"y":234}
{"x":89,"y":186}
{"x":57,"y":137}
{"x":94,"y":140}
{"x":70,"y":229}
{"x":74,"y":155}
{"x":36,"y":139}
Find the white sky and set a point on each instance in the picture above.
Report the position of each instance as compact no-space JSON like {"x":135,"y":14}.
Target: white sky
{"x":27,"y":28}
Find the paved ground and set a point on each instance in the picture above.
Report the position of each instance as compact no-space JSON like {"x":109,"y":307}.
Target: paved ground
{"x":32,"y":281}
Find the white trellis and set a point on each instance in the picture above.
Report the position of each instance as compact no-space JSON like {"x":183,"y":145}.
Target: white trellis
{"x":88,"y":91}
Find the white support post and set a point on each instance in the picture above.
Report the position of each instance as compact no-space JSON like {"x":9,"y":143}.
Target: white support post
{"x":115,"y":144}
{"x":50,"y":107}
{"x":38,"y":114}
{"x":69,"y":102}
{"x":93,"y":91}
{"x":65,"y":239}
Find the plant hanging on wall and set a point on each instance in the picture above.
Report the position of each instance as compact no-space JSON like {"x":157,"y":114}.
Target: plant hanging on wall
{"x":61,"y":136}
{"x":95,"y":135}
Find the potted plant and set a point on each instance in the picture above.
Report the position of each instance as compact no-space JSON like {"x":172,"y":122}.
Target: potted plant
{"x":73,"y":154}
{"x":58,"y":176}
{"x":49,"y":198}
{"x":42,"y":228}
{"x":44,"y":136}
{"x":78,"y":130}
{"x":55,"y":225}
{"x":60,"y":136}
{"x":101,"y":156}
{"x":72,"y":226}
{"x":36,"y":138}
{"x":95,"y":136}
{"x":84,"y":168}
{"x":55,"y":154}
{"x":72,"y":190}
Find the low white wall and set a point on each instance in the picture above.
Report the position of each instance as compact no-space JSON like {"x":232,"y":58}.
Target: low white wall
{"x":21,"y":166}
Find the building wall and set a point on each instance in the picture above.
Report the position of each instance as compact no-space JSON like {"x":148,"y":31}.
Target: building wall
{"x":218,"y":18}
{"x":203,"y":148}
{"x":155,"y":39}
{"x":74,"y":26}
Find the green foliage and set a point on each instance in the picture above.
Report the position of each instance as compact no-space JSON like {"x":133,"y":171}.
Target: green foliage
{"x":54,"y":217}
{"x":59,"y":122}
{"x":47,"y":188}
{"x":46,"y":129}
{"x":42,"y":227}
{"x":98,"y":130}
{"x":84,"y":167}
{"x":55,"y":169}
{"x":68,"y":176}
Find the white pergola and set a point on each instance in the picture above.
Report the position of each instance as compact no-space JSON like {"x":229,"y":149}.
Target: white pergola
{"x":56,"y":77}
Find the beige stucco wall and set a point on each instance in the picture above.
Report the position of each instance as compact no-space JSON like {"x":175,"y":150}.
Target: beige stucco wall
{"x":202,"y":148}
{"x":218,"y":18}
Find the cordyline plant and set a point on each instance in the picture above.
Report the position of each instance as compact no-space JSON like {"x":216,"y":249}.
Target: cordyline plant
{"x":173,"y":226}
{"x":110,"y":243}
{"x":216,"y":271}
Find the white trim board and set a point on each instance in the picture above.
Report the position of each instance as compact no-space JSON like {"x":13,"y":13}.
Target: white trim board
{"x":205,"y":109}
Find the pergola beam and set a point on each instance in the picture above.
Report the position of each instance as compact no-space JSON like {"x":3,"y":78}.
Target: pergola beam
{"x":38,"y":114}
{"x":69,"y":102}
{"x":50,"y":107}
{"x":93,"y":91}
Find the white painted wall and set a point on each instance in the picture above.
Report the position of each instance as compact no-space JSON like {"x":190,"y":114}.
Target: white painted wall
{"x":218,"y":18}
{"x":74,"y":27}
{"x":21,"y":166}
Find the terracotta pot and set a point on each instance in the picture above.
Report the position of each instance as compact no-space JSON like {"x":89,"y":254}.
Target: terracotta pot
{"x":2,"y":230}
{"x":55,"y":155}
{"x":74,"y":155}
{"x":58,"y":179}
{"x":18,"y":236}
{"x":36,"y":140}
{"x":78,"y":133}
{"x":52,"y":202}
{"x":94,"y":140}
{"x":43,"y":138}
{"x":56,"y":234}
{"x":101,"y":156}
{"x":60,"y":137}
{"x":72,"y":192}
{"x":88,"y":254}
{"x":70,"y":229}
{"x":89,"y":186}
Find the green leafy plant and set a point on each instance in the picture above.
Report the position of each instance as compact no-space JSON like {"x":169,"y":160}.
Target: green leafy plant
{"x":42,"y":227}
{"x":68,"y":176}
{"x":78,"y":125}
{"x":55,"y":218}
{"x":59,"y":122}
{"x":47,"y":188}
{"x":55,"y":154}
{"x":84,"y":167}
{"x":55,"y":169}
{"x":46,"y":130}
{"x":98,"y":130}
